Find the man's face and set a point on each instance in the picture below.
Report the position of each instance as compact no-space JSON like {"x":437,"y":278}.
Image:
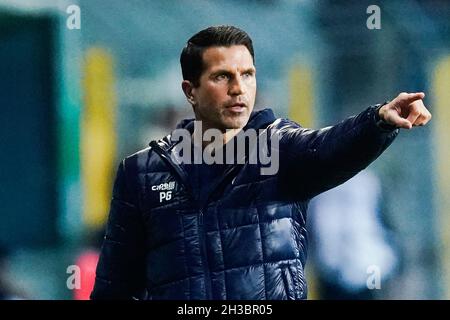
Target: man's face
{"x":226,"y":93}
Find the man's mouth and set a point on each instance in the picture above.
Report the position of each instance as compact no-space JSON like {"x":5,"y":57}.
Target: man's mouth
{"x":236,"y":107}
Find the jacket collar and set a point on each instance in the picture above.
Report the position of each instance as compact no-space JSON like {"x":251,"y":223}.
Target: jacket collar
{"x":259,"y":119}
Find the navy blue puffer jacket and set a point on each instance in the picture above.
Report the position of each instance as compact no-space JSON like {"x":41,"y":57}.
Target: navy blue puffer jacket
{"x":247,"y":240}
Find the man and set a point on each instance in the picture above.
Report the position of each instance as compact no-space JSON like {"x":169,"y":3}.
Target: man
{"x":350,"y":242}
{"x":179,"y":230}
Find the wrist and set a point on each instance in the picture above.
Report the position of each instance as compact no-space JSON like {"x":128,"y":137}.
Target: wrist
{"x":379,"y":118}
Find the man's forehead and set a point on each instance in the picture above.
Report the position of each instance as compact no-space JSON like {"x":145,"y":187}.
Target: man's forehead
{"x":232,"y":56}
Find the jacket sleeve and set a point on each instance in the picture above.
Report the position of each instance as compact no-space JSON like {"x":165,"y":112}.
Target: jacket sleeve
{"x":313,"y":161}
{"x":121,"y":267}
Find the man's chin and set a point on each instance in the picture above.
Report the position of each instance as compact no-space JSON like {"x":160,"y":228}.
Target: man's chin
{"x":236,"y":123}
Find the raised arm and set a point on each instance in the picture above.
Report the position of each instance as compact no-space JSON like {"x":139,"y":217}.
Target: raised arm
{"x":313,"y":161}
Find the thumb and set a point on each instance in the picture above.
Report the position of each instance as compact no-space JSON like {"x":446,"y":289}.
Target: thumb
{"x":398,"y":121}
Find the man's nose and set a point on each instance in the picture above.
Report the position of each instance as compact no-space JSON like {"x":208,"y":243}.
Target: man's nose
{"x":237,"y":87}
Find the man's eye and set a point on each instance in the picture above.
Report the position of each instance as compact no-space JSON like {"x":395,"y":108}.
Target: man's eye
{"x":248,"y":75}
{"x":222,"y":77}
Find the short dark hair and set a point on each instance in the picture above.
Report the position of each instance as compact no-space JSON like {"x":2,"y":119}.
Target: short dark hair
{"x":216,"y":36}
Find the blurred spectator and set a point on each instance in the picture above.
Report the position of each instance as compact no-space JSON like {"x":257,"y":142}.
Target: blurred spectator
{"x":87,"y":260}
{"x":348,"y":237}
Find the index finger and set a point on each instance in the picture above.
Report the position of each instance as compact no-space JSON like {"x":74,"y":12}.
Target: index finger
{"x":411,"y":97}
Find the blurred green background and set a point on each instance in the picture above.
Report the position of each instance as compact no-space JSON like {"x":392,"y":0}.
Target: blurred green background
{"x":74,"y":102}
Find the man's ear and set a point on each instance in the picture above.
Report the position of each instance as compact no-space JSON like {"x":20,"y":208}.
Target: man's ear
{"x":188,"y":89}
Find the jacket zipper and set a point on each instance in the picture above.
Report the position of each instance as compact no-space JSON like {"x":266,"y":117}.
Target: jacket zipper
{"x":202,"y":233}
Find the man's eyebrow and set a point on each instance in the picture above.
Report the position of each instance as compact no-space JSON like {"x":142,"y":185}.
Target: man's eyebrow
{"x":221,"y":71}
{"x":226,"y":72}
{"x":251,"y":69}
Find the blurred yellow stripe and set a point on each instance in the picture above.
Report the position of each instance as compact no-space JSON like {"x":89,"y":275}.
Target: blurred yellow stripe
{"x":441,"y":119}
{"x":301,"y":110}
{"x":301,"y":95}
{"x":98,"y":140}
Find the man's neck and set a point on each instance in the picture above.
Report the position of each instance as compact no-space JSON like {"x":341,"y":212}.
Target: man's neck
{"x":199,"y":132}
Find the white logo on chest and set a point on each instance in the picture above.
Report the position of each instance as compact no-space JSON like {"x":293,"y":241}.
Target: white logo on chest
{"x":165,"y":190}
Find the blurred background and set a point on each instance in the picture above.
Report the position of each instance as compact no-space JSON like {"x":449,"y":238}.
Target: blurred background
{"x":85,"y":83}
